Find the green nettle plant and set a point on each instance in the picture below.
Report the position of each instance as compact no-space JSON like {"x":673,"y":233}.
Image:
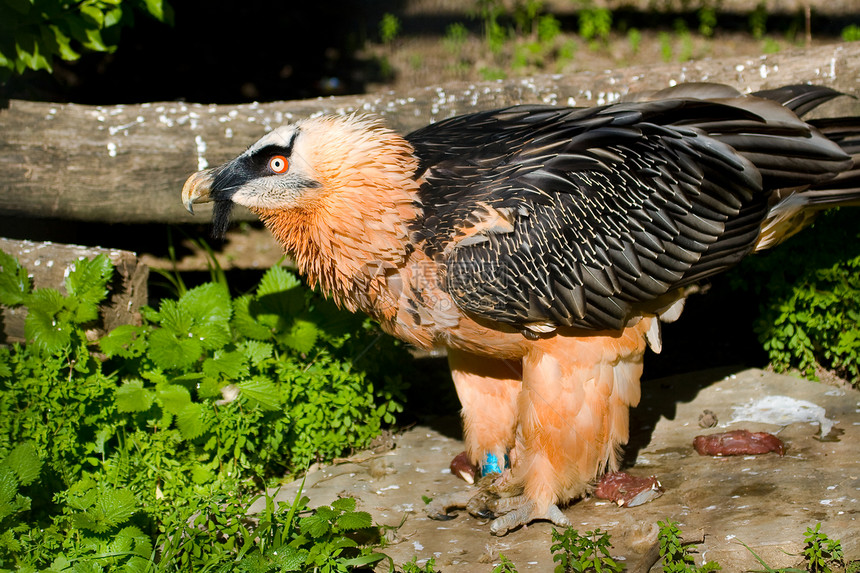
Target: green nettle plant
{"x":583,"y":553}
{"x":141,"y":450}
{"x":810,"y":297}
{"x":676,"y":556}
{"x":821,"y":553}
{"x":35,"y":32}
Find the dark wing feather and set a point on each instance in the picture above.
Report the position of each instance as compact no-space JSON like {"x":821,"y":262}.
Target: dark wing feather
{"x":799,"y":98}
{"x":604,"y":209}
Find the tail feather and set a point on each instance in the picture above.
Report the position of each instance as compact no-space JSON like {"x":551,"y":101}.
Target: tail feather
{"x":845,"y":132}
{"x":799,"y":98}
{"x":795,"y":210}
{"x":795,"y":207}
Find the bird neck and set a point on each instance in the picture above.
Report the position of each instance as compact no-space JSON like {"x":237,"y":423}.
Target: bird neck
{"x":355,"y":235}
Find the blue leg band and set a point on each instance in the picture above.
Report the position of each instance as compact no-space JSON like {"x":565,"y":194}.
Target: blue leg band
{"x":492,"y":465}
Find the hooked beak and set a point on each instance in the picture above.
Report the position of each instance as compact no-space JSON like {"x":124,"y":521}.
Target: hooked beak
{"x":197,"y":189}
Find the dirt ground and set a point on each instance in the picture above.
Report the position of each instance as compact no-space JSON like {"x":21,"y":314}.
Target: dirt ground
{"x":731,"y":507}
{"x":666,"y":31}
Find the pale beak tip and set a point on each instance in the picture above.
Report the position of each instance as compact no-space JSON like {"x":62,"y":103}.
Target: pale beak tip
{"x":196,"y":190}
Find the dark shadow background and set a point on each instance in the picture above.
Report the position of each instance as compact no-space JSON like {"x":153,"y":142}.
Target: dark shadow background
{"x":257,"y":50}
{"x":220,"y":52}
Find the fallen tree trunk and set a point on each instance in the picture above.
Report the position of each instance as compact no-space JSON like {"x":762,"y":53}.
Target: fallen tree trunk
{"x":127,"y":163}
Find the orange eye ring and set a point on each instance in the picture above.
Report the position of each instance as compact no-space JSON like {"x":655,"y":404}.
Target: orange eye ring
{"x":279,"y":164}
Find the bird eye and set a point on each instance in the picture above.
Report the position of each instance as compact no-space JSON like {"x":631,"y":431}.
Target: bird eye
{"x":279,"y":164}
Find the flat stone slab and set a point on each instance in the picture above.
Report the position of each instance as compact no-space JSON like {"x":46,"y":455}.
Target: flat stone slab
{"x":765,"y":502}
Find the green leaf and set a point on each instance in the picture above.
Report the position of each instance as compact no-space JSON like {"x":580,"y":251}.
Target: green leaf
{"x":46,"y":300}
{"x":14,"y":282}
{"x":231,"y":365}
{"x":95,"y":41}
{"x":5,"y":364}
{"x":126,"y":341}
{"x":201,"y":474}
{"x":354,"y":520}
{"x":192,"y":421}
{"x":302,"y":336}
{"x":132,"y":539}
{"x":113,"y":17}
{"x":174,"y":398}
{"x":93,"y":13}
{"x":257,"y":352}
{"x":112,"y":507}
{"x":209,"y":387}
{"x":364,"y":560}
{"x":202,"y":315}
{"x":262,"y":391}
{"x":25,"y":462}
{"x":211,"y":336}
{"x":246,"y":324}
{"x":8,"y":490}
{"x":133,"y":397}
{"x":289,"y":558}
{"x":169,"y":351}
{"x":160,"y":10}
{"x":315,"y":525}
{"x":29,"y":53}
{"x":280,"y":293}
{"x":207,"y":304}
{"x":138,"y":564}
{"x":173,"y":318}
{"x":276,"y":280}
{"x":87,"y":281}
{"x":82,"y":494}
{"x":43,"y":324}
{"x":344,"y":504}
{"x":117,"y":505}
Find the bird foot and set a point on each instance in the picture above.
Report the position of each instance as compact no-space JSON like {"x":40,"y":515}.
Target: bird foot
{"x":520,"y":510}
{"x":477,"y":504}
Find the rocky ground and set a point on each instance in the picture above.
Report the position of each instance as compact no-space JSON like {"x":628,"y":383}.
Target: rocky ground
{"x":733,"y":507}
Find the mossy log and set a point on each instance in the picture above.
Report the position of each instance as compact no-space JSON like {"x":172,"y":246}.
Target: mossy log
{"x":48,"y":265}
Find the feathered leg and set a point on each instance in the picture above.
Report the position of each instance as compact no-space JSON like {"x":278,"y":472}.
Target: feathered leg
{"x":488,"y":390}
{"x":573,"y":416}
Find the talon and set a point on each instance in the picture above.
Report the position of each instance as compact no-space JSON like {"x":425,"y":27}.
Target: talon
{"x":521,"y":511}
{"x":483,"y":513}
{"x":440,"y":507}
{"x":442,"y":516}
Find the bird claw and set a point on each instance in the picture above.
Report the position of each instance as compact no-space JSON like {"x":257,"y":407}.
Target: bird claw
{"x":476,"y":503}
{"x":519,"y":511}
{"x":440,"y":507}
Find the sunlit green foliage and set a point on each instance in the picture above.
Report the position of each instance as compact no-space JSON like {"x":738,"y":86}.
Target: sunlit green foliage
{"x":35,"y":32}
{"x":588,"y":552}
{"x":809,"y":289}
{"x":112,"y":448}
{"x":676,"y":556}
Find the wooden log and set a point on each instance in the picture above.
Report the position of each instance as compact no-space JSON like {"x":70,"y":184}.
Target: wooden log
{"x":47,"y":265}
{"x":127,"y":163}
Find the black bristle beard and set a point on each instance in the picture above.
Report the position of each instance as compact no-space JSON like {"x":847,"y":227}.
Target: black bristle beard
{"x":221,"y":218}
